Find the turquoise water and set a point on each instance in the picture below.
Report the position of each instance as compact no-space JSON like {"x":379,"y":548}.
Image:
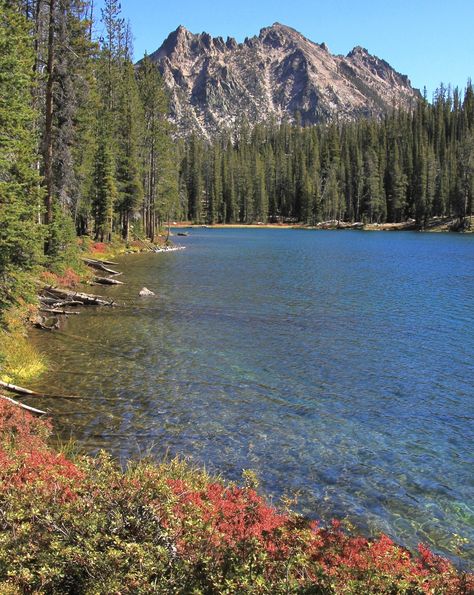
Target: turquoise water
{"x":337,"y":365}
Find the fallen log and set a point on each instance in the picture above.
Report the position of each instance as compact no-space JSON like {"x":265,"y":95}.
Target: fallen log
{"x":58,"y":311}
{"x":23,"y":406}
{"x":18,"y":389}
{"x":100,"y":261}
{"x":97,"y":264}
{"x":107,"y":281}
{"x":55,"y":304}
{"x":86,"y":299}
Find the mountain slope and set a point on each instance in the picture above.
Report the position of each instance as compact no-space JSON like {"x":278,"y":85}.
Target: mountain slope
{"x":214,"y":83}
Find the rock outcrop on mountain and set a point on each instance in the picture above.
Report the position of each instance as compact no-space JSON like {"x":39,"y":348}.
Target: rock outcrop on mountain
{"x":214,"y":84}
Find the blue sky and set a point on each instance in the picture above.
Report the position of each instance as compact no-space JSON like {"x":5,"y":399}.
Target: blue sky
{"x":429,"y":40}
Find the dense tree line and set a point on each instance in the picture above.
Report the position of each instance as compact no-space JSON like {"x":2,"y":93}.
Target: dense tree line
{"x":85,"y":145}
{"x":409,"y":165}
{"x":86,"y":149}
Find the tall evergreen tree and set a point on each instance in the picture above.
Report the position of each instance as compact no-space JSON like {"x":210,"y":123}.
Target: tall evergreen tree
{"x":129,"y":178}
{"x":19,"y":195}
{"x":158,"y":152}
{"x":104,"y":192}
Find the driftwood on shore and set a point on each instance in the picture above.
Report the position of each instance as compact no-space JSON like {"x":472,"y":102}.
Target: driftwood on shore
{"x":19,"y":390}
{"x":58,"y":311}
{"x":23,"y":406}
{"x":100,"y":261}
{"x":150,"y":247}
{"x":85,"y":299}
{"x":54,"y":302}
{"x":107,"y":281}
{"x":99,"y":265}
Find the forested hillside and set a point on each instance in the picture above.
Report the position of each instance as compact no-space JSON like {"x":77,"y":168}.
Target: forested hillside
{"x":85,"y":145}
{"x":408,"y":165}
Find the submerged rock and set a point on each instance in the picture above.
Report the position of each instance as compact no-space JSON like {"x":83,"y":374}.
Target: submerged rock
{"x":145,"y":292}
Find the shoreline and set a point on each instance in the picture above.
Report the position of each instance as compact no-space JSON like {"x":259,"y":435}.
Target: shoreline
{"x":19,"y":361}
{"x":436,"y":225}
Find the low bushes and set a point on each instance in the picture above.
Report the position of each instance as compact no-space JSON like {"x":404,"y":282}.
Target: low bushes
{"x":86,"y":526}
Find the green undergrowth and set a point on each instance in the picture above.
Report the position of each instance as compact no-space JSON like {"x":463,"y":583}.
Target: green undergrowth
{"x":77,"y":524}
{"x":20,"y":361}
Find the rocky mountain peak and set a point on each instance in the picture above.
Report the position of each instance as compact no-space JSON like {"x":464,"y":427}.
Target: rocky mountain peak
{"x":214,"y":84}
{"x":357,"y":51}
{"x":173,"y":44}
{"x":278,"y":35}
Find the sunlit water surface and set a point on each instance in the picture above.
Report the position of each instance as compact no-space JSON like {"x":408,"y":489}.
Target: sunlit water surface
{"x":335,"y":364}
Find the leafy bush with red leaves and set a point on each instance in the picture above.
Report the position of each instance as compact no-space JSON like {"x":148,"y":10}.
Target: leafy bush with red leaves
{"x":69,"y":278}
{"x":86,"y":526}
{"x":98,"y":248}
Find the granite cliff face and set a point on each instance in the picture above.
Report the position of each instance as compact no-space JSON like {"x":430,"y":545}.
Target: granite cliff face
{"x":214,"y":83}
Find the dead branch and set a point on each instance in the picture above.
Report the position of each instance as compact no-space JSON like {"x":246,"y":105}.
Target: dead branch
{"x":23,"y":406}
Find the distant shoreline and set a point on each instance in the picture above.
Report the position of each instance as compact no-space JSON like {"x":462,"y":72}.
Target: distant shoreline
{"x":434,"y":225}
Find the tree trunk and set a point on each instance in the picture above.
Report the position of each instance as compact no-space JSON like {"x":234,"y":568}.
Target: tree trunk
{"x":125,"y":226}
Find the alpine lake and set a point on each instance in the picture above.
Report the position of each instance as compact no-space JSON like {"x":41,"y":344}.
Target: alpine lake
{"x":338,"y":365}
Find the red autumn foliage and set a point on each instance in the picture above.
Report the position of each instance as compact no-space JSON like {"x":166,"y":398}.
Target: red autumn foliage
{"x":68,"y":279}
{"x":235,"y":517}
{"x":26,"y":460}
{"x":210,"y":527}
{"x":98,"y":248}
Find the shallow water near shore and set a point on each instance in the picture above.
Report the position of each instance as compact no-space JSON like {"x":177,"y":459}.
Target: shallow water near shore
{"x":335,"y":364}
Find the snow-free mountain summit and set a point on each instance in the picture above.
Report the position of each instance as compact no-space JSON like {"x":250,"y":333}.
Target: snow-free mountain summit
{"x":214,"y":83}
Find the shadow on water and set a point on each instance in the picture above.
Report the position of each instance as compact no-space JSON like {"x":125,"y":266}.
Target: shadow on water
{"x":336,"y":364}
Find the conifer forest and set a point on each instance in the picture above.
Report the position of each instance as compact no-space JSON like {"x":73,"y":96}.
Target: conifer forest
{"x":86,"y":149}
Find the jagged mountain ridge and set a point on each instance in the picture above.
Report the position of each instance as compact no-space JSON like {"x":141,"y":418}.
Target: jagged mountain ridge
{"x":214,"y":83}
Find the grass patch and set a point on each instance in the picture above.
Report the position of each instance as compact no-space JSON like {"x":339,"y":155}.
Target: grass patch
{"x":20,"y":361}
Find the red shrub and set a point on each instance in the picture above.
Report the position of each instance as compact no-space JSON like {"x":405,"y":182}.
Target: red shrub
{"x":212,"y":531}
{"x":68,"y":279}
{"x":26,"y":462}
{"x":98,"y":248}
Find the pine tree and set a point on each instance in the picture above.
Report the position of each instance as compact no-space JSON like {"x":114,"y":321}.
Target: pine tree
{"x":128,"y":173}
{"x":215,"y":194}
{"x":159,"y":170}
{"x":71,"y":85}
{"x":195,"y":182}
{"x":260,"y":198}
{"x":104,"y":192}
{"x":19,"y":196}
{"x":465,"y":181}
